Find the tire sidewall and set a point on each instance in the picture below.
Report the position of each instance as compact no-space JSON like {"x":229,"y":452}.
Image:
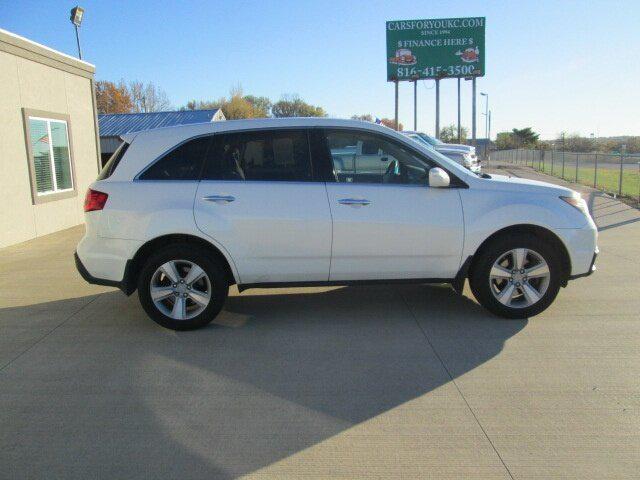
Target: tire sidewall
{"x":479,"y":279}
{"x":215,"y":272}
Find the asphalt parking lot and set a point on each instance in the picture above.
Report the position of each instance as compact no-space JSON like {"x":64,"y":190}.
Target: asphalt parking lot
{"x":354,"y":382}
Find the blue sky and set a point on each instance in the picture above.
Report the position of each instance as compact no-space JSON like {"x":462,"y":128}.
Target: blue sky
{"x":551,"y":65}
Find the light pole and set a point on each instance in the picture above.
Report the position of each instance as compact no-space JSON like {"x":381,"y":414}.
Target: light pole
{"x":486,"y":114}
{"x":76,"y":18}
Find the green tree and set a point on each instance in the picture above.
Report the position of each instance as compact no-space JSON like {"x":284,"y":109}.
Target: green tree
{"x":506,"y":141}
{"x":261,"y":105}
{"x":236,"y":106}
{"x":573,"y":142}
{"x":449,"y":134}
{"x":525,"y":137}
{"x":204,"y":104}
{"x":294,"y":106}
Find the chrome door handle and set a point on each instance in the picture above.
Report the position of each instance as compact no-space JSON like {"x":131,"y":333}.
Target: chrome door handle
{"x":219,"y":198}
{"x":354,"y":201}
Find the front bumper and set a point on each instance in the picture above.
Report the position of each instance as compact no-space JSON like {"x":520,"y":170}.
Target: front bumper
{"x":592,"y":267}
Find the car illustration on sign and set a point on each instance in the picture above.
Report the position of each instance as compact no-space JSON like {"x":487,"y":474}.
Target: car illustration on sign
{"x":403,"y":57}
{"x":469,"y":55}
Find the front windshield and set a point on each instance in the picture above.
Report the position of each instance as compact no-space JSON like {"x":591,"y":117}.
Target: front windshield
{"x":419,"y":139}
{"x":430,"y":140}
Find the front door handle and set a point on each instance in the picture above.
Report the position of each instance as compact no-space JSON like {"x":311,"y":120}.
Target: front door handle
{"x":219,"y":198}
{"x":354,"y":202}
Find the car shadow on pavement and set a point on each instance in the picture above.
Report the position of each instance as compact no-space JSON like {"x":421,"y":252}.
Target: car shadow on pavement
{"x":608,"y":212}
{"x":109,"y":394}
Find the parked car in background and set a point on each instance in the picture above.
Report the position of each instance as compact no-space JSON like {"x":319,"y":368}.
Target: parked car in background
{"x":465,"y":155}
{"x":465,"y":159}
{"x":181,"y":213}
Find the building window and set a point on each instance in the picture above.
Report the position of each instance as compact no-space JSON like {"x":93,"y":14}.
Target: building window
{"x":49,"y":152}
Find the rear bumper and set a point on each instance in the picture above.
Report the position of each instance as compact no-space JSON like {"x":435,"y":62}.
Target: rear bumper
{"x":124,"y":284}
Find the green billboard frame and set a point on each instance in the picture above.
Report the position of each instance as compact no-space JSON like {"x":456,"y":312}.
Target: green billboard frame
{"x":435,"y":48}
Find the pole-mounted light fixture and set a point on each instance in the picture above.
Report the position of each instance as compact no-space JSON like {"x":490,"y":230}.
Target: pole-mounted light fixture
{"x":76,"y":18}
{"x":76,"y":15}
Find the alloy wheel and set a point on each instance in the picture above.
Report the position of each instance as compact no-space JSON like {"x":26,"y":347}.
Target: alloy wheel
{"x":180,"y":289}
{"x":519,"y":278}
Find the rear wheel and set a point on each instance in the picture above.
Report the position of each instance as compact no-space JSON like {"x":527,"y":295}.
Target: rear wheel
{"x":182,"y":287}
{"x":516,"y":276}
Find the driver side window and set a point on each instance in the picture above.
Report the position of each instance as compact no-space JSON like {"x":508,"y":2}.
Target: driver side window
{"x":361,"y":157}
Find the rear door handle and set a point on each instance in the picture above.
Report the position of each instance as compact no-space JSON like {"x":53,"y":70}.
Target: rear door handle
{"x":219,"y":198}
{"x":356,"y":202}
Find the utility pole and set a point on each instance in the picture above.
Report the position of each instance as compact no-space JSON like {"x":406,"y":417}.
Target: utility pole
{"x":459,"y":128}
{"x":486,"y":114}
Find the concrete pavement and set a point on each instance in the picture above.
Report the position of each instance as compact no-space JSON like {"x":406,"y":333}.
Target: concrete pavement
{"x":358,"y":382}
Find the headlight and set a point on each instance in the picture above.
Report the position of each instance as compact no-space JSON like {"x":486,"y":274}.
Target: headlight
{"x":578,"y":202}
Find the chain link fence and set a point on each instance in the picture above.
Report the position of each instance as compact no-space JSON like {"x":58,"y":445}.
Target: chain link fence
{"x":614,"y":173}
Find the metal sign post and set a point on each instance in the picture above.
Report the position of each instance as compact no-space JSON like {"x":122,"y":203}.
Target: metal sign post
{"x":459,"y":128}
{"x":473,"y":111}
{"x":438,"y":108}
{"x":395,"y":117}
{"x":415,"y":105}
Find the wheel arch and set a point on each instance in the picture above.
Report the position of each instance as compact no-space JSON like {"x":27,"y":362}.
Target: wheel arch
{"x":536,"y":230}
{"x":134,"y":265}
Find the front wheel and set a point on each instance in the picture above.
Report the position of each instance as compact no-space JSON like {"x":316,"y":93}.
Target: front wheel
{"x":182,"y":287}
{"x":516,"y":276}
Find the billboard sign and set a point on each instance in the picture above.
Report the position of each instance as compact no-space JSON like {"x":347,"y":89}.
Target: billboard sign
{"x":437,"y":48}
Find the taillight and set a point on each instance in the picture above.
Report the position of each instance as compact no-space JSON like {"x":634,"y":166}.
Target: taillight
{"x":94,"y":200}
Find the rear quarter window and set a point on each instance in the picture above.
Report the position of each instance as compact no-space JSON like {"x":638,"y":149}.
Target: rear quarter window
{"x":113,"y":162}
{"x":182,"y":163}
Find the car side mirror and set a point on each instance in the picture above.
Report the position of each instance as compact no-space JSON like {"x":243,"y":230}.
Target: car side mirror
{"x":438,"y":178}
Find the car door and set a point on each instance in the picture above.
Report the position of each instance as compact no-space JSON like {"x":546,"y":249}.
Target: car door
{"x":391,"y":225}
{"x":258,"y":199}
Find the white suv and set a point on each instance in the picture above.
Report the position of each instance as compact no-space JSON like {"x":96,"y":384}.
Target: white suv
{"x":182,"y":213}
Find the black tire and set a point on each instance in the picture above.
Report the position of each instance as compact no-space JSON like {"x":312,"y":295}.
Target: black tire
{"x":479,"y":276}
{"x":219,"y":287}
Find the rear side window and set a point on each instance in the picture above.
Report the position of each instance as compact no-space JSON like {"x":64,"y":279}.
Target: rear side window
{"x":182,"y":163}
{"x":113,"y":162}
{"x":277,"y":155}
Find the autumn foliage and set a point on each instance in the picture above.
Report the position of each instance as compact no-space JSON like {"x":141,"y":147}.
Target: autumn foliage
{"x":112,"y":98}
